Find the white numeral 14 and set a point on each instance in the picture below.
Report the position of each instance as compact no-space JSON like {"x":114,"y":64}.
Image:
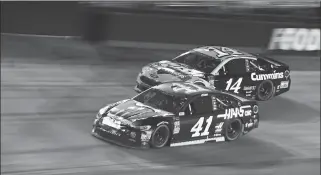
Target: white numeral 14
{"x":197,"y":128}
{"x":236,"y":86}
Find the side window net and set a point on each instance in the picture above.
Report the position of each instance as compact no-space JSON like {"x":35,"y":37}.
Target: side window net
{"x":201,"y":105}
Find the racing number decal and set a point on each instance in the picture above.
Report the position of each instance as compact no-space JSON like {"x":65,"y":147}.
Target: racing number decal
{"x":224,"y":51}
{"x":197,"y":128}
{"x":236,"y":86}
{"x":186,"y":88}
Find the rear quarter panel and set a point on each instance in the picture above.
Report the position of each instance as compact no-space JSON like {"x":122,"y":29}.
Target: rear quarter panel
{"x":250,"y":120}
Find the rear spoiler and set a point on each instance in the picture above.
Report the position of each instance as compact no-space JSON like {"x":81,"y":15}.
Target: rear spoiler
{"x":271,"y":60}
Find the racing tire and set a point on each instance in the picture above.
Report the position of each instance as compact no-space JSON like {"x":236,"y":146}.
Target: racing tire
{"x":233,"y":129}
{"x":265,"y":90}
{"x":160,"y":136}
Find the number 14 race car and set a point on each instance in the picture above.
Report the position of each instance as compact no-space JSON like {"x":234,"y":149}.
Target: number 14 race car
{"x":176,"y":114}
{"x":251,"y":75}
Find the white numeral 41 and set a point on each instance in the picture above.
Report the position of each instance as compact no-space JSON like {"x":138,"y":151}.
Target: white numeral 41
{"x":198,"y":127}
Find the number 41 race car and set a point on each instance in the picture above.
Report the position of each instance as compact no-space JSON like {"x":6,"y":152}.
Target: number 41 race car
{"x":176,"y":114}
{"x":222,"y":68}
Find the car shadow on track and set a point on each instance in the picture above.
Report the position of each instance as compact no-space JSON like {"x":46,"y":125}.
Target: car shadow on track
{"x":244,"y":151}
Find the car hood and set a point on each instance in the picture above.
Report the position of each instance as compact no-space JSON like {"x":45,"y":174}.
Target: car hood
{"x":168,"y":70}
{"x":133,"y":110}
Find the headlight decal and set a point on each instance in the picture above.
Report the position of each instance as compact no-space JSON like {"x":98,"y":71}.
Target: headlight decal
{"x":145,"y":136}
{"x":147,"y":69}
{"x":145,"y":128}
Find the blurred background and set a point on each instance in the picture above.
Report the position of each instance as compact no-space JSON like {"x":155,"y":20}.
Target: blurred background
{"x":63,"y":60}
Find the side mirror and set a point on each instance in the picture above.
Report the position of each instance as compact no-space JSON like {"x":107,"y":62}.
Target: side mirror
{"x":211,"y":79}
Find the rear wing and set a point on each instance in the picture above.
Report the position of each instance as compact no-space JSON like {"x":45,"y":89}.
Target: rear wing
{"x":272,"y":61}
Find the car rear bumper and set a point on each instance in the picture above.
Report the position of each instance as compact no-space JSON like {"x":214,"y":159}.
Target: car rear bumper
{"x":280,"y":88}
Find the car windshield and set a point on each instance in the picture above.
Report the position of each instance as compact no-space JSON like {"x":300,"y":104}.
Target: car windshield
{"x":160,"y":100}
{"x":198,"y":61}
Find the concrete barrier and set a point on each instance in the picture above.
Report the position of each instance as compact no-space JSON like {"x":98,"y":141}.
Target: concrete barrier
{"x":41,"y":18}
{"x":232,"y":32}
{"x":107,"y":25}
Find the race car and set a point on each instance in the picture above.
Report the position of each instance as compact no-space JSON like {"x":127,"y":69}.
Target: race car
{"x":176,"y":114}
{"x":252,"y":75}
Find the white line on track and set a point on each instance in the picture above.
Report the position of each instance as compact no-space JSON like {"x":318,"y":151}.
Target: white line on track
{"x":136,"y":167}
{"x":40,"y":36}
{"x":59,"y":83}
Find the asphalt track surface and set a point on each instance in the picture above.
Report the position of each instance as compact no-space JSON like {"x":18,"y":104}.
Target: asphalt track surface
{"x":49,"y":99}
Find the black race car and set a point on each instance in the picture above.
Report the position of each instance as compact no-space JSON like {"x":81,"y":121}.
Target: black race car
{"x":251,"y":75}
{"x":176,"y":114}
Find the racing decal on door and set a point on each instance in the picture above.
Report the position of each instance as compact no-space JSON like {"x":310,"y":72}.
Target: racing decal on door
{"x":214,"y":105}
{"x":218,"y":127}
{"x":235,"y":87}
{"x":271,"y":76}
{"x":198,"y":127}
{"x":236,"y":112}
{"x":177,"y":127}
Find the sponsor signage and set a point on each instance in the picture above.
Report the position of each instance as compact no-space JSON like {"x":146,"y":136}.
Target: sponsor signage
{"x":234,"y":112}
{"x":295,"y":39}
{"x":272,"y":76}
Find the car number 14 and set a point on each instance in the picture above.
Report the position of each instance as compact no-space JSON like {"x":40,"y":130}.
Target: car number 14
{"x":197,"y":128}
{"x":236,"y":86}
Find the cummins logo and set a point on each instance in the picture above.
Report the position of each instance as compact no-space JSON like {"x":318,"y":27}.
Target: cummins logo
{"x":298,"y":39}
{"x":272,"y":76}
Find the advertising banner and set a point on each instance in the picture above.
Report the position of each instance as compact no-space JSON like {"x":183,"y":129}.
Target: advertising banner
{"x":295,"y":39}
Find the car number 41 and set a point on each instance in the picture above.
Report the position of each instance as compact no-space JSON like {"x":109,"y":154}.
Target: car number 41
{"x":198,"y":127}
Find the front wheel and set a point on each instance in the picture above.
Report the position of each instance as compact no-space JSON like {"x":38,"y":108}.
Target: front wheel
{"x":265,"y":90}
{"x":160,"y":136}
{"x":233,"y":129}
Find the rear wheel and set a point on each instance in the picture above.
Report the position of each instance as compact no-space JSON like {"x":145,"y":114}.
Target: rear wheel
{"x":160,"y":136}
{"x":233,"y":129}
{"x":265,"y":90}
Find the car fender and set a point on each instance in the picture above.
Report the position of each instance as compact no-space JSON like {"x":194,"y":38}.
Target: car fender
{"x":163,"y":122}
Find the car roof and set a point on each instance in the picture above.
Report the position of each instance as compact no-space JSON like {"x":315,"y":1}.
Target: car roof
{"x":209,"y":51}
{"x":182,"y":89}
{"x":177,"y":89}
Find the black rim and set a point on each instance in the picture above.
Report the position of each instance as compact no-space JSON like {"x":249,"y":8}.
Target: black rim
{"x":265,"y":90}
{"x":160,"y":136}
{"x":233,"y":130}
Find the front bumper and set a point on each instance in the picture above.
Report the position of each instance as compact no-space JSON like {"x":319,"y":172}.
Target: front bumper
{"x":122,"y":137}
